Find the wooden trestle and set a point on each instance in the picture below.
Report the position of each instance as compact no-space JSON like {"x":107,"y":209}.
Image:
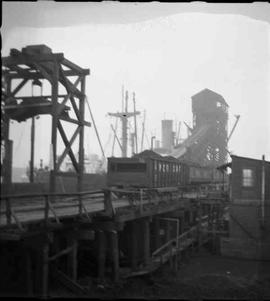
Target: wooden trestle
{"x":123,"y":233}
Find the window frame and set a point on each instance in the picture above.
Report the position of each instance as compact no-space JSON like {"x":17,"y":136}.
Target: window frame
{"x":248,"y":180}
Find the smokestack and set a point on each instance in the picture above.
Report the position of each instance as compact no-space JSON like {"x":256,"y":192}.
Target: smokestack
{"x":167,"y":134}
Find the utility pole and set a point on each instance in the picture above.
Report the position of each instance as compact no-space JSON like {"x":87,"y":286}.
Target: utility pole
{"x":124,"y":119}
{"x":32,"y":150}
{"x":152,"y":142}
{"x":143,"y":130}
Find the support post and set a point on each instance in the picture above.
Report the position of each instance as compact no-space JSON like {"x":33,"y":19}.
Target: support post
{"x":115,"y":255}
{"x":146,"y":242}
{"x":134,"y":245}
{"x":101,"y":240}
{"x":81,"y":142}
{"x":53,"y":150}
{"x":8,"y":211}
{"x":156,"y":233}
{"x":199,"y":227}
{"x":72,"y":258}
{"x":7,"y":165}
{"x":45,"y":269}
{"x":168,"y":238}
{"x":29,"y":272}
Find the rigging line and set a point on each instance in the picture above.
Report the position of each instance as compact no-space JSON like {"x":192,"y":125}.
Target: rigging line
{"x":147,"y":140}
{"x":114,"y":136}
{"x":92,"y":117}
{"x":108,"y":141}
{"x":121,"y":147}
{"x":130,"y":126}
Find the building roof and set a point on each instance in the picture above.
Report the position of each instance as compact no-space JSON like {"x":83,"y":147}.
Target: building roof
{"x":148,"y":153}
{"x":207,"y":91}
{"x":258,"y":160}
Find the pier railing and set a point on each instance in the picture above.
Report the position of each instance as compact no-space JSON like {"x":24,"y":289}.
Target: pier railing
{"x":20,"y":208}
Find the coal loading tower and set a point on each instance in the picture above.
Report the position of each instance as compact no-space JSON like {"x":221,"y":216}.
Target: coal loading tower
{"x":207,"y":143}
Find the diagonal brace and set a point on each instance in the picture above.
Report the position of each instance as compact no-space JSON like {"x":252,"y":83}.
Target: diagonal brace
{"x":67,"y":149}
{"x":18,"y":88}
{"x":62,"y":105}
{"x":66,"y":142}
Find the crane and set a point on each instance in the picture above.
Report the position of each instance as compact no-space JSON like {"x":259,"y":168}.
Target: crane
{"x":189,"y":128}
{"x":234,"y":126}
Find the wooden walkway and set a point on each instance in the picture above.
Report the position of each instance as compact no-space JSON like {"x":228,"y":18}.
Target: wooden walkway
{"x":34,"y":208}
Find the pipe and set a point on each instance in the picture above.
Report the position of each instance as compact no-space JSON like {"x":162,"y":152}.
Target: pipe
{"x":143,"y":130}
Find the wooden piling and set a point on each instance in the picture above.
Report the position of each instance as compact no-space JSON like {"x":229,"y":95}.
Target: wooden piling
{"x":156,"y":233}
{"x":72,"y":258}
{"x":45,"y":269}
{"x":29,"y":272}
{"x":199,"y":227}
{"x":134,"y":245}
{"x":146,"y":241}
{"x":115,"y":255}
{"x":101,"y":240}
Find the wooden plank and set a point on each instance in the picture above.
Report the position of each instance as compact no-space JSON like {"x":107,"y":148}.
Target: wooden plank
{"x":75,"y":67}
{"x":61,"y":253}
{"x":26,"y":74}
{"x":67,"y":282}
{"x":75,"y":121}
{"x":29,"y":59}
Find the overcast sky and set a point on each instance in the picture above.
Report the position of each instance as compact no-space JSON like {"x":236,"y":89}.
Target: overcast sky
{"x":164,"y":58}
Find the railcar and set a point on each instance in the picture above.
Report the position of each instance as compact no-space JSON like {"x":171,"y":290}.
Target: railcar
{"x":151,"y":170}
{"x":201,"y":174}
{"x":146,"y":170}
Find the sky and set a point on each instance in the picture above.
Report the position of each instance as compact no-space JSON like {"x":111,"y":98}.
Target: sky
{"x":163,"y":58}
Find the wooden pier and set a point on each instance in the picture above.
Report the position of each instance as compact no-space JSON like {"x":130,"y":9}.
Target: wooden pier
{"x":125,"y":233}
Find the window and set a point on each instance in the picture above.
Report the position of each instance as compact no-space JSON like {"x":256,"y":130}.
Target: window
{"x":247,"y":176}
{"x":113,"y":167}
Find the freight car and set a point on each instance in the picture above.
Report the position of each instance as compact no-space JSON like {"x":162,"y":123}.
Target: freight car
{"x":151,"y":170}
{"x":145,"y":170}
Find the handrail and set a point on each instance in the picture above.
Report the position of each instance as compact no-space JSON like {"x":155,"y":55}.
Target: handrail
{"x":182,"y":236}
{"x":45,"y":199}
{"x":22,"y":195}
